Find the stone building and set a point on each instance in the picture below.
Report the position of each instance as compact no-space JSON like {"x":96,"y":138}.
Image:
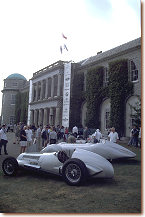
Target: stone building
{"x":47,"y":86}
{"x":130,"y":51}
{"x":12,"y":85}
{"x":46,"y":95}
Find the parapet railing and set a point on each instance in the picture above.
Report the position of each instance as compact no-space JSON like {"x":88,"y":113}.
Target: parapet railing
{"x":54,"y":65}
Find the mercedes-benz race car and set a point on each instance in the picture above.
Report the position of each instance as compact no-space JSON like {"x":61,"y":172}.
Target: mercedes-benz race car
{"x":74,"y":165}
{"x":106,"y":149}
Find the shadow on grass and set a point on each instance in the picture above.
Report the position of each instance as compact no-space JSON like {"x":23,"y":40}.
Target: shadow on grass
{"x":126,"y":161}
{"x":38,"y":174}
{"x":100,"y":182}
{"x":43,"y":176}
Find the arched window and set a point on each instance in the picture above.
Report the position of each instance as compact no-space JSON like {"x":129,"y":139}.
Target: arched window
{"x":133,"y":71}
{"x":107,"y":118}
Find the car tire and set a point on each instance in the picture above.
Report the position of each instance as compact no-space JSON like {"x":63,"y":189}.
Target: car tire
{"x":74,"y":172}
{"x":10,"y":166}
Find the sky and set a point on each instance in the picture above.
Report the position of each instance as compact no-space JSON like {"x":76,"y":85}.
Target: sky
{"x":31,"y":31}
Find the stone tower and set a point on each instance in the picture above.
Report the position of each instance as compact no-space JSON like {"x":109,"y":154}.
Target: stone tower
{"x":12,"y":85}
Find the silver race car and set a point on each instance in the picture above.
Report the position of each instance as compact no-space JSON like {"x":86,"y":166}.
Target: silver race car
{"x":106,"y":149}
{"x":75,"y":165}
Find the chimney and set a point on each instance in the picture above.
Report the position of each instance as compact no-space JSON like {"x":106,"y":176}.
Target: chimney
{"x":99,"y":52}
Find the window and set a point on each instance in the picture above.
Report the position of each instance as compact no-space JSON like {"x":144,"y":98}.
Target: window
{"x":15,"y":84}
{"x":133,"y":71}
{"x":13,"y":99}
{"x":3,"y":101}
{"x":12,"y":120}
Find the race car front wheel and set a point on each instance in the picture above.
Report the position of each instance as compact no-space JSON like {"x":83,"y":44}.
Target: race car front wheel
{"x":74,"y":171}
{"x":10,"y":166}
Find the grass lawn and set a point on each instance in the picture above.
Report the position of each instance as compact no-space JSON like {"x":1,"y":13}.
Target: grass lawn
{"x":39,"y":193}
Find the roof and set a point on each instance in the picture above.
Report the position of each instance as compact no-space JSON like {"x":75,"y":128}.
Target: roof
{"x":16,"y":76}
{"x":122,"y":48}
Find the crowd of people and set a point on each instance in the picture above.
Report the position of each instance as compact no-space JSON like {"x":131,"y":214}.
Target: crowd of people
{"x":135,"y":137}
{"x":32,"y":139}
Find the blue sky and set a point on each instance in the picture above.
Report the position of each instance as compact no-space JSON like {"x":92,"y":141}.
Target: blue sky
{"x":31,"y":31}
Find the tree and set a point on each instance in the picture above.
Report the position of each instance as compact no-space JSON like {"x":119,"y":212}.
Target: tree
{"x":136,"y":116}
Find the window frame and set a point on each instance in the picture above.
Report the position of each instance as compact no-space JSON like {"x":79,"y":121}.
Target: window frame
{"x":133,"y":72}
{"x":13,"y":99}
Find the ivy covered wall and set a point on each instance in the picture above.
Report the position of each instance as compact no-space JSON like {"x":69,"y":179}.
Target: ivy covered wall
{"x":21,"y":107}
{"x":118,"y":89}
{"x":77,"y":98}
{"x":95,"y":92}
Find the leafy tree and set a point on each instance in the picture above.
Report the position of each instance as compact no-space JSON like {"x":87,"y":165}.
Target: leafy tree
{"x":137,"y":113}
{"x":21,"y":107}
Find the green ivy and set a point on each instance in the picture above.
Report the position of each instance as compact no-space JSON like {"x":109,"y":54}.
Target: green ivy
{"x":95,"y":92}
{"x":119,"y":89}
{"x":21,"y":107}
{"x":76,"y":100}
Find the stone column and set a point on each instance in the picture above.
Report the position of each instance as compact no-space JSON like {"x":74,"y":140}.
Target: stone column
{"x":33,"y":89}
{"x":45,"y":119}
{"x":57,"y":117}
{"x":52,"y":86}
{"x":46,"y":89}
{"x":35,"y":117}
{"x":31,"y":117}
{"x":59,"y":84}
{"x":40,"y":117}
{"x":41,"y":91}
{"x":37,"y":89}
{"x":51,"y":116}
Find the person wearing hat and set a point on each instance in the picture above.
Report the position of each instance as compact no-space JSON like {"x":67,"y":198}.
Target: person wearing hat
{"x":3,"y":139}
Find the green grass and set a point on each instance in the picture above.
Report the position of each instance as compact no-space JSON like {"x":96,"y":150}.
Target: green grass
{"x":39,"y":193}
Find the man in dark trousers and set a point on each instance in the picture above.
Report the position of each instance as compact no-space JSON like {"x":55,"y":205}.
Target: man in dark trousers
{"x":135,"y":134}
{"x":3,"y":139}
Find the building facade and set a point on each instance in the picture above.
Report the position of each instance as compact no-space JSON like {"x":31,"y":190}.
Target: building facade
{"x":47,"y":86}
{"x":130,"y":51}
{"x":47,"y":95}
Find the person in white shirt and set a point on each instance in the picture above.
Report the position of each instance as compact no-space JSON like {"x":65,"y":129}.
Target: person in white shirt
{"x":52,"y":136}
{"x":75,"y":131}
{"x":3,"y":139}
{"x":29,"y":135}
{"x":98,"y":135}
{"x":113,"y":136}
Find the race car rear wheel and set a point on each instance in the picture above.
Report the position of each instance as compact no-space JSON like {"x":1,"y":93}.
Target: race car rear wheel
{"x":10,"y":166}
{"x":74,"y":171}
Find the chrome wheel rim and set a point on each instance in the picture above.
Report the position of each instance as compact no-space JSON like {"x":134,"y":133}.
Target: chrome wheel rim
{"x":8,"y":167}
{"x":73,"y":173}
